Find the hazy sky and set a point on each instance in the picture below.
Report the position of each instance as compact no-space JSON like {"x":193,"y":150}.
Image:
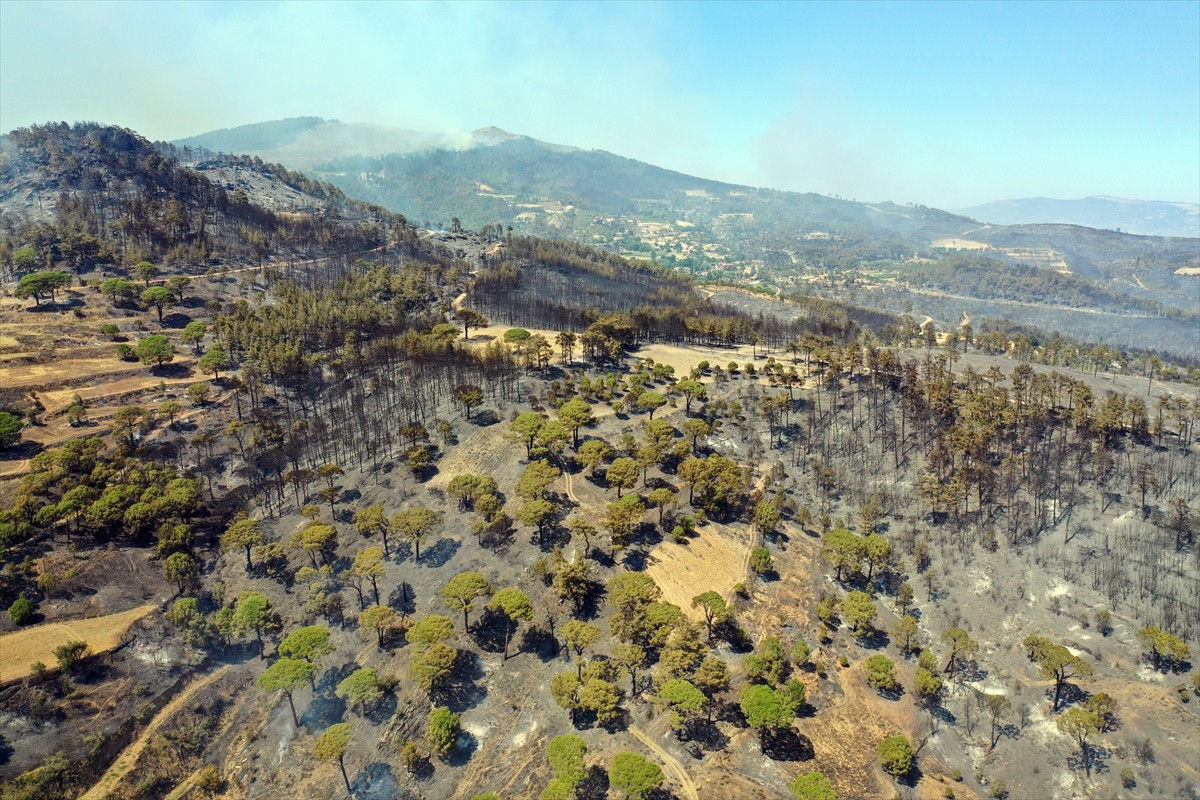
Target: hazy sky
{"x":938,"y":103}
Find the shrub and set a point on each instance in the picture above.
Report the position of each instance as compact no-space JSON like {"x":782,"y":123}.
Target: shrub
{"x":896,"y":755}
{"x":71,"y":655}
{"x":441,"y":730}
{"x":760,"y":560}
{"x":881,"y":674}
{"x":812,"y":786}
{"x":22,"y":610}
{"x":1164,"y":650}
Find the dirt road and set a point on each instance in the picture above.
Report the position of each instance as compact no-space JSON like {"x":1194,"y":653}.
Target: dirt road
{"x":129,"y":756}
{"x":670,"y":764}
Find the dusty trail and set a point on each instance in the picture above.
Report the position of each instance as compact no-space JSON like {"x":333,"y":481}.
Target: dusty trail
{"x":669,"y":762}
{"x":570,"y":487}
{"x":128,"y":758}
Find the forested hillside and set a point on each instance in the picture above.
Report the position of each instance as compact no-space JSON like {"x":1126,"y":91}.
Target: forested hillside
{"x":88,"y":195}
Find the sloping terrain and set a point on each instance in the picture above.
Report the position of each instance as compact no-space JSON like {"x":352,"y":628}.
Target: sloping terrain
{"x":89,"y":196}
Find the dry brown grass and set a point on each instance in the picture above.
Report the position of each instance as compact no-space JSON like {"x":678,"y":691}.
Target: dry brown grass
{"x":952,"y":243}
{"x":480,"y":452}
{"x":684,"y":358}
{"x":714,"y":560}
{"x":21,"y":649}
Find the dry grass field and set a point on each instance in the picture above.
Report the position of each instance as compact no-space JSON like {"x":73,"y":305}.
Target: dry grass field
{"x":21,"y":649}
{"x":714,"y":559}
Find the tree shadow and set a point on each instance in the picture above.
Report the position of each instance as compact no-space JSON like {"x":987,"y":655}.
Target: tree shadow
{"x":944,"y":715}
{"x":636,"y":559}
{"x":1070,"y":695}
{"x":602,"y":557}
{"x":6,"y":750}
{"x":972,"y":672}
{"x":1091,"y":758}
{"x":497,"y":538}
{"x":382,"y":710}
{"x":322,"y":712}
{"x":707,"y":735}
{"x":422,"y":769}
{"x":461,"y":691}
{"x":592,"y":603}
{"x":401,"y":551}
{"x":464,"y":747}
{"x":539,"y":642}
{"x":175,"y":320}
{"x":728,"y":712}
{"x":173,"y":371}
{"x":787,"y":744}
{"x":440,"y":553}
{"x":488,"y":633}
{"x":659,"y":793}
{"x":594,"y":785}
{"x":403,"y":599}
{"x":734,"y":635}
{"x":328,"y":680}
{"x":618,"y":723}
{"x":484,"y":417}
{"x":557,"y":536}
{"x":912,"y":777}
{"x":53,"y":307}
{"x":875,"y":640}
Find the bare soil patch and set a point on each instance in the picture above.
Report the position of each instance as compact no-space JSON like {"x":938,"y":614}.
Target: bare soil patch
{"x":59,"y":400}
{"x":952,"y":243}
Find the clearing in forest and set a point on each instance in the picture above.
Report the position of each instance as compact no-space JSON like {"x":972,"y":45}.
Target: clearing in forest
{"x":480,"y":452}
{"x":21,"y":649}
{"x":715,"y":559}
{"x":684,"y":358}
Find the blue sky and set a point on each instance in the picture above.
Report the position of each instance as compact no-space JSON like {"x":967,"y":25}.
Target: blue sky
{"x":946,"y":104}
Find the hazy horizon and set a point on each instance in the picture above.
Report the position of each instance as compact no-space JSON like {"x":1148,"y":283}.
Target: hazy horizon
{"x":948,"y":105}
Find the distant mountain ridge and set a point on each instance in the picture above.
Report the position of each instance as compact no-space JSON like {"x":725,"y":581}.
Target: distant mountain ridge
{"x":1143,"y":217}
{"x":305,"y":142}
{"x":802,"y":243}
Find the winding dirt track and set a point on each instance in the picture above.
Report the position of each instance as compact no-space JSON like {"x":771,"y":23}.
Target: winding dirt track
{"x":670,"y":763}
{"x":129,"y":756}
